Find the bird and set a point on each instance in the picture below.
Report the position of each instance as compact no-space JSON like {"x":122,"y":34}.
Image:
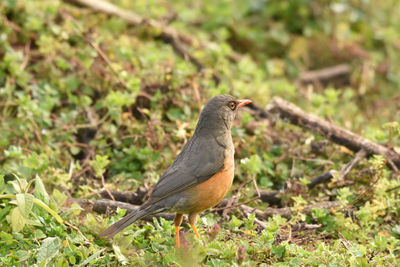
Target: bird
{"x":201,"y":174}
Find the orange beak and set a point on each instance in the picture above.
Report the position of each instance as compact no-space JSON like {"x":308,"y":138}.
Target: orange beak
{"x":243,"y":102}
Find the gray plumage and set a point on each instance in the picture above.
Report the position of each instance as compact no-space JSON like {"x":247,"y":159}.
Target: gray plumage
{"x":201,"y":158}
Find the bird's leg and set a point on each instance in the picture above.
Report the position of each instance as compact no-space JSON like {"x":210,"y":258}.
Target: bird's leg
{"x":177,"y":222}
{"x":192,"y":222}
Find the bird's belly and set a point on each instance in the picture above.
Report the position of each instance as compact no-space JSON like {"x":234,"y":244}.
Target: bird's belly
{"x":212,"y":191}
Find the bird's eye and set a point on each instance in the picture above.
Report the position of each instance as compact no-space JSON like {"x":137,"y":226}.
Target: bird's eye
{"x":232,"y":105}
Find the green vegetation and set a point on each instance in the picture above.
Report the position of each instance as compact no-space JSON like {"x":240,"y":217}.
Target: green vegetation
{"x":70,"y":116}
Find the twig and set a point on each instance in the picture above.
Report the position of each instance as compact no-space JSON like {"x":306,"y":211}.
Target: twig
{"x":359,"y":156}
{"x":104,"y":206}
{"x":320,"y":179}
{"x":108,"y":62}
{"x":77,"y":229}
{"x":223,"y":207}
{"x":228,"y":206}
{"x":260,"y":112}
{"x":334,"y":133}
{"x":338,"y":75}
{"x":235,"y":195}
{"x":345,"y":242}
{"x":256,"y":187}
{"x":105,"y":188}
{"x":11,"y":24}
{"x":393,"y":189}
{"x":246,"y":212}
{"x":272,"y":198}
{"x":379,"y":175}
{"x":27,"y":51}
{"x":135,"y":198}
{"x":301,"y":226}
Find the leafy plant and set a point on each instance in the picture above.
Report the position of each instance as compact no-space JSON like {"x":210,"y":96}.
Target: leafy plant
{"x":23,"y":201}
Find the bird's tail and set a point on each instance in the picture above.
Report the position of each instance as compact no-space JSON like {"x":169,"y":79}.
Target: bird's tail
{"x":124,"y":222}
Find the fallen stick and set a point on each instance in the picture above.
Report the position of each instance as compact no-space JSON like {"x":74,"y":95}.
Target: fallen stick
{"x":332,"y":132}
{"x":136,"y":198}
{"x":359,"y":156}
{"x":104,"y":206}
{"x":338,"y":75}
{"x":267,"y":196}
{"x":258,"y":111}
{"x":320,"y":179}
{"x":272,"y":197}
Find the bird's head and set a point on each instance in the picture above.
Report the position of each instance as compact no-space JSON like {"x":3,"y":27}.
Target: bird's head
{"x":220,"y":111}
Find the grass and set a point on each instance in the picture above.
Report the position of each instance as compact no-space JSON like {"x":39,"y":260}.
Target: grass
{"x":85,"y":96}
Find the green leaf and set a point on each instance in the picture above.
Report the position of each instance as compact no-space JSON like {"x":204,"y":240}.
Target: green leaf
{"x":17,"y":220}
{"x":252,"y":164}
{"x":25,"y":204}
{"x":13,"y":151}
{"x":121,"y":258}
{"x":94,"y":256}
{"x":304,"y":181}
{"x":99,"y":164}
{"x":175,"y":114}
{"x":48,"y":249}
{"x":2,"y":184}
{"x":279,"y":251}
{"x":4,"y":211}
{"x":40,"y":191}
{"x":48,"y":209}
{"x":38,"y":234}
{"x":235,"y":223}
{"x":16,"y":186}
{"x":59,"y":197}
{"x":22,"y":255}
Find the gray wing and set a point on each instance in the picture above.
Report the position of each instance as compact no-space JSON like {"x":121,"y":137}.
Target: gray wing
{"x":199,"y":160}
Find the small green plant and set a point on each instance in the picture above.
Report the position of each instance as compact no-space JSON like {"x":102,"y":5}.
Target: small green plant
{"x":22,"y":213}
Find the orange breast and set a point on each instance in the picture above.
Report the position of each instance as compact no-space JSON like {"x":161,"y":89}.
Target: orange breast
{"x":211,"y":192}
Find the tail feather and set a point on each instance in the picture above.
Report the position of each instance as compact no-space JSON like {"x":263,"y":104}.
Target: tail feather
{"x":123,"y":223}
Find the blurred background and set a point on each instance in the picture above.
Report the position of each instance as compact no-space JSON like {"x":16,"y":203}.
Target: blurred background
{"x":86,"y":95}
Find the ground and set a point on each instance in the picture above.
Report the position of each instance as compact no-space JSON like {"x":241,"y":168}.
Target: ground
{"x":86,"y":96}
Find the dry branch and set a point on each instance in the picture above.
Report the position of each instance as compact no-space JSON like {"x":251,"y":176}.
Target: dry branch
{"x":320,"y":179}
{"x":104,"y":206}
{"x":359,"y":156}
{"x":338,"y":75}
{"x":258,"y":111}
{"x":136,"y":198}
{"x":332,"y":132}
{"x":273,"y":197}
{"x":268,"y":196}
